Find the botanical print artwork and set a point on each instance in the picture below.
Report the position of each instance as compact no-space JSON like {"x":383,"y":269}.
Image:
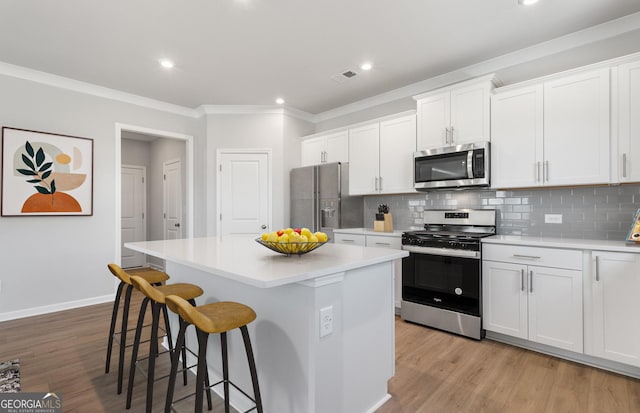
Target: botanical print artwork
{"x":46,"y":174}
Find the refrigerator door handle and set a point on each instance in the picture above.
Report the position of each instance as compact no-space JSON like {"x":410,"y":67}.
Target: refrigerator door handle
{"x":317,"y":218}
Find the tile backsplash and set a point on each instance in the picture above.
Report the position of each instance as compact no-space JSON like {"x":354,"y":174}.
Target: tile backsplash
{"x":601,"y":212}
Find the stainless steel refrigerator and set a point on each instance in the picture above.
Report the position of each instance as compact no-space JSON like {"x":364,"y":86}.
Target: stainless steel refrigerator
{"x":320,"y":199}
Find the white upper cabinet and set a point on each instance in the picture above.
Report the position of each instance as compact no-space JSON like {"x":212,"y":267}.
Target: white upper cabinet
{"x":516,"y":128}
{"x":364,"y":149}
{"x":628,"y":154}
{"x":454,"y":115}
{"x":397,"y":145}
{"x":577,"y":129}
{"x":381,"y":156}
{"x":333,"y":147}
{"x":555,"y":133}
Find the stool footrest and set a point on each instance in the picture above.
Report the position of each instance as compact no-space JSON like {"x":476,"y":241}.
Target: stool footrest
{"x":210,"y":387}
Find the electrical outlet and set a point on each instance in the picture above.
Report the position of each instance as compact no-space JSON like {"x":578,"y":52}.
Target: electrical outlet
{"x":553,"y":218}
{"x":326,"y":321}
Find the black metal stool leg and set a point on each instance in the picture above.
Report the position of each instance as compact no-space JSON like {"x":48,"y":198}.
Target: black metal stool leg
{"x":202,"y":366}
{"x":252,"y":367}
{"x":174,"y":365}
{"x":207,"y":383}
{"x":112,"y":330}
{"x":153,"y":353}
{"x":134,"y":351}
{"x":167,"y":327}
{"x":123,"y":335}
{"x":225,"y":370}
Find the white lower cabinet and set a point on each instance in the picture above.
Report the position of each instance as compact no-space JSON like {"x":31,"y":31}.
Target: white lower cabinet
{"x":537,"y":303}
{"x":612,"y":310}
{"x":349,"y":239}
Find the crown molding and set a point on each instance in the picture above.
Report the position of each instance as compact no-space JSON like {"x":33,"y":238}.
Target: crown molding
{"x":61,"y":82}
{"x":583,"y":37}
{"x":254,"y":110}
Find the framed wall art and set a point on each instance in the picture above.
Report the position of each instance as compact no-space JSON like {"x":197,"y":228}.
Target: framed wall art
{"x":46,"y":174}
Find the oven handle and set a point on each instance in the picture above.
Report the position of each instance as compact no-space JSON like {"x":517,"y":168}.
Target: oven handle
{"x":443,"y":251}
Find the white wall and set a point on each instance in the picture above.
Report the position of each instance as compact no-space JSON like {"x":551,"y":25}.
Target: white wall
{"x":56,"y":262}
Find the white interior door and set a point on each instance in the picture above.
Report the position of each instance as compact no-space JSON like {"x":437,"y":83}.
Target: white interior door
{"x":245,"y":204}
{"x":172,"y":195}
{"x":133,"y":210}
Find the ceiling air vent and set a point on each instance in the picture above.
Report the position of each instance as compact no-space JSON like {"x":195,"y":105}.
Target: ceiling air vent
{"x":344,"y":75}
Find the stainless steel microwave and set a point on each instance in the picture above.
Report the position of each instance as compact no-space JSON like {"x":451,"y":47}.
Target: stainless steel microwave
{"x":452,"y":167}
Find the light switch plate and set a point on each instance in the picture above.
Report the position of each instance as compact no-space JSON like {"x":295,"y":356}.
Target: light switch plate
{"x":553,"y":218}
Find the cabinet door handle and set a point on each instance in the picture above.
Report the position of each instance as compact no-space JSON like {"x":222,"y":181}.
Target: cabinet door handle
{"x":376,"y":184}
{"x":348,"y":240}
{"x":624,"y":165}
{"x":451,"y":136}
{"x":383,"y":243}
{"x":381,"y":183}
{"x":522,"y":282}
{"x":546,"y":171}
{"x":527,"y":257}
{"x":597,"y":268}
{"x":446,"y":136}
{"x":531,"y":281}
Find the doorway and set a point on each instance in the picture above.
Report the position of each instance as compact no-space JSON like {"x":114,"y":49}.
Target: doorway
{"x":186,"y":192}
{"x":244,"y":191}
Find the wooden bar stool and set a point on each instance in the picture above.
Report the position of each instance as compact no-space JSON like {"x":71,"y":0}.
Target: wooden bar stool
{"x":219,"y":317}
{"x":156,"y":296}
{"x":154,"y":277}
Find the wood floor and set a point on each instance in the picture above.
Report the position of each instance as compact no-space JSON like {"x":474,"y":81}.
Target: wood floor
{"x":435,"y":372}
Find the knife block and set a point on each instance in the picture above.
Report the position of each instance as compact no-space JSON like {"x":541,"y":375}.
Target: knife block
{"x":384,"y":226}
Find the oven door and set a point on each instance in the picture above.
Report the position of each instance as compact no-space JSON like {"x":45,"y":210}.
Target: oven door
{"x":451,"y":283}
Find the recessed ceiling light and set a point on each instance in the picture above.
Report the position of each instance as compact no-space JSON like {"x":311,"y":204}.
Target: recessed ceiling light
{"x":527,"y":2}
{"x":280,"y":101}
{"x":366,"y":66}
{"x":166,"y":63}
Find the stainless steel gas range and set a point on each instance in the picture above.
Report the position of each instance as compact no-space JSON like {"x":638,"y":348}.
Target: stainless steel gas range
{"x":442,"y":276}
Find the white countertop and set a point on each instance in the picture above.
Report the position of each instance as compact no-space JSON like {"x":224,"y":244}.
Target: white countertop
{"x":367,"y":231}
{"x":572,"y":243}
{"x":242,"y":259}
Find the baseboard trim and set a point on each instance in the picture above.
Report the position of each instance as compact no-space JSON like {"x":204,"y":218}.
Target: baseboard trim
{"x":580,"y":358}
{"x":378,"y":405}
{"x":53,"y":308}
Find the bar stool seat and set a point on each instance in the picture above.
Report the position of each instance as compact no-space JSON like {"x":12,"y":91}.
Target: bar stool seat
{"x":156,"y":296}
{"x":219,"y":317}
{"x":152,"y":277}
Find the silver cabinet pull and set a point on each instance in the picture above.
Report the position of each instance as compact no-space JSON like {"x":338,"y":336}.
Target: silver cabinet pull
{"x":546,"y":171}
{"x":446,"y":136}
{"x":348,"y":240}
{"x":531,"y":281}
{"x":537,"y":171}
{"x":522,"y":282}
{"x":451,"y":136}
{"x":381,"y":183}
{"x":376,"y":179}
{"x":263,"y":226}
{"x":526,"y":257}
{"x":597,"y":268}
{"x":624,"y":165}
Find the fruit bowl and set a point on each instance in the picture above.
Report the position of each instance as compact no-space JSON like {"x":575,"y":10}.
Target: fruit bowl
{"x":291,"y":248}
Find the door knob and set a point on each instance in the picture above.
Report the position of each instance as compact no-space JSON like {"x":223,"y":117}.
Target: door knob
{"x":177,"y":225}
{"x":263,"y":227}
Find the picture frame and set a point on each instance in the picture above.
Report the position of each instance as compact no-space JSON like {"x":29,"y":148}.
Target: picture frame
{"x":45,"y":174}
{"x":634,"y":231}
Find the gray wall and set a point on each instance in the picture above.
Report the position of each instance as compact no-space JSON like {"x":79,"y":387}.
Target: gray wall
{"x":602,"y":212}
{"x":50,"y":262}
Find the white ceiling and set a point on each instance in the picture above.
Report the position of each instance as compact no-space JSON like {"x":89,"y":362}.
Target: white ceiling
{"x":247,"y":52}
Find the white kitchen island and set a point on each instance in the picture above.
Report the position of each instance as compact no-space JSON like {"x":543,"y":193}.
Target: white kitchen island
{"x":299,"y":371}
